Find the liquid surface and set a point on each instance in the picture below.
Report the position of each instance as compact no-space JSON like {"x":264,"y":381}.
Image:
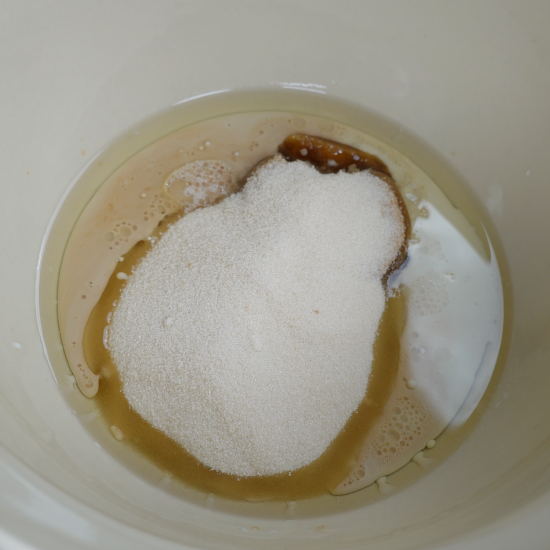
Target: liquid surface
{"x":423,"y":370}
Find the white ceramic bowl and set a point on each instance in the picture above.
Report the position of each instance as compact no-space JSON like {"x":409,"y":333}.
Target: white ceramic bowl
{"x":471,"y":79}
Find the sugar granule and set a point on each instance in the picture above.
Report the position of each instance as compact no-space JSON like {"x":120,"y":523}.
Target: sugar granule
{"x":269,"y":345}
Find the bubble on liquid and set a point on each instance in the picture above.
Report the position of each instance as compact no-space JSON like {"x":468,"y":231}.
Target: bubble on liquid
{"x":403,"y":424}
{"x":165,"y":481}
{"x":120,"y":232}
{"x":428,"y":294}
{"x":117,"y":433}
{"x":421,"y":460}
{"x":200,"y":183}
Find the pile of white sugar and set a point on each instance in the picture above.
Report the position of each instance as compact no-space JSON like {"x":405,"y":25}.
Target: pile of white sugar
{"x":246,"y":334}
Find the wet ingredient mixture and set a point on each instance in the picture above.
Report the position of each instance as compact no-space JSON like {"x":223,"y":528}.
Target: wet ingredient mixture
{"x":422,"y":370}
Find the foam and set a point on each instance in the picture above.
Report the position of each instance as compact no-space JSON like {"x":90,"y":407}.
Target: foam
{"x":200,"y":183}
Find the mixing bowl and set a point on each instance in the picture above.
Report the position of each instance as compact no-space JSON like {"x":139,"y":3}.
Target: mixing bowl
{"x":468,"y":81}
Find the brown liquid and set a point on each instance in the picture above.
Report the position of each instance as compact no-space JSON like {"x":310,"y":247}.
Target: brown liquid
{"x":317,"y":478}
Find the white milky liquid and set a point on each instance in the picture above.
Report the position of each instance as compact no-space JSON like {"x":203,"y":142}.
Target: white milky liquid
{"x":451,"y":338}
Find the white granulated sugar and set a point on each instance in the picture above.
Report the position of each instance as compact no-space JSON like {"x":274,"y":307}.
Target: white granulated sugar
{"x":274,"y":298}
